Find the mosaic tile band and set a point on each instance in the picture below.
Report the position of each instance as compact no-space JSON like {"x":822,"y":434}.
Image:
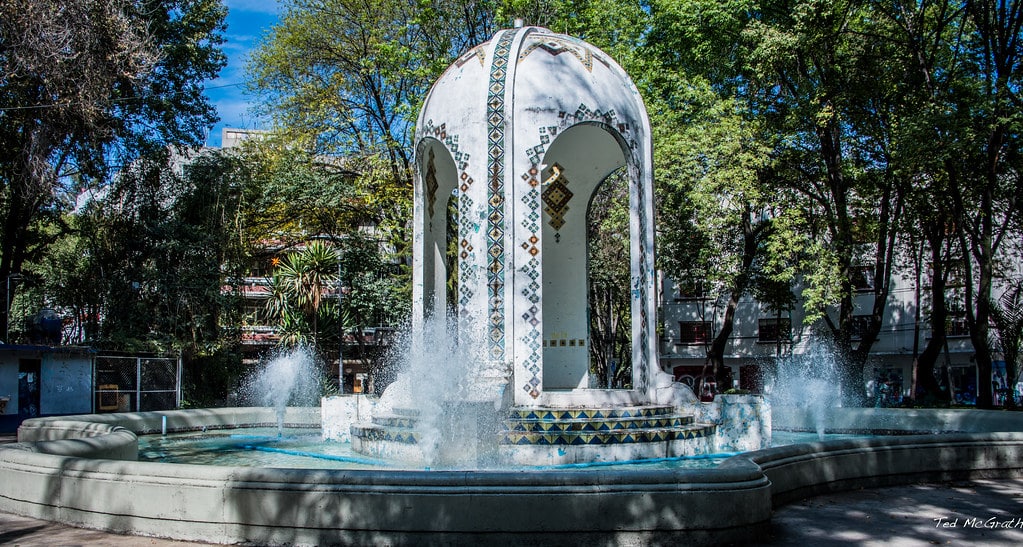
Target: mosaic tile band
{"x":496,"y":117}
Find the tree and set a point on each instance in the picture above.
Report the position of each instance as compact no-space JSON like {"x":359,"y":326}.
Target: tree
{"x":958,"y":138}
{"x":291,"y":193}
{"x":345,"y":79}
{"x":816,"y":71}
{"x":1008,"y":318}
{"x":925,"y":39}
{"x":90,"y":85}
{"x":986,"y":200}
{"x":153,"y":263}
{"x":608,"y":280}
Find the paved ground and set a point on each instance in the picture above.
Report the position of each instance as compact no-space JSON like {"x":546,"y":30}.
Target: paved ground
{"x":988,"y":513}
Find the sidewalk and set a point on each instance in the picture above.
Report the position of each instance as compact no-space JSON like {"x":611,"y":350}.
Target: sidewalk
{"x":921,"y":514}
{"x":983,"y":512}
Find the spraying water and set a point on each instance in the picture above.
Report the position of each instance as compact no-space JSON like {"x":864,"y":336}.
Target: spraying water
{"x":811,"y":381}
{"x":290,"y":377}
{"x":446,"y":375}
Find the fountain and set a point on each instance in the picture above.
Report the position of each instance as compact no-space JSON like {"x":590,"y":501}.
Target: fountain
{"x":546,"y":117}
{"x":289,"y":377}
{"x":514,"y":139}
{"x":809,"y":382}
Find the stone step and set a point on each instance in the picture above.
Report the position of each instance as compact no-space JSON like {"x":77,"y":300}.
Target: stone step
{"x":590,"y":413}
{"x":405,"y":412}
{"x":396,"y":420}
{"x":597,"y":424}
{"x":651,"y":435}
{"x":374,"y":432}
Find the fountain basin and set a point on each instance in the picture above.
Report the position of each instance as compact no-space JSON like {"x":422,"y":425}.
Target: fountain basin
{"x":731,"y":503}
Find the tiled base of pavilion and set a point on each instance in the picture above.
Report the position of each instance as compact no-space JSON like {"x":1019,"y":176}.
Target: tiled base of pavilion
{"x":542,"y":436}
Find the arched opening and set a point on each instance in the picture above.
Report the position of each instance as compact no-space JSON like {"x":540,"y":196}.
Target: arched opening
{"x":440,"y":232}
{"x":576,"y":164}
{"x":608,"y":281}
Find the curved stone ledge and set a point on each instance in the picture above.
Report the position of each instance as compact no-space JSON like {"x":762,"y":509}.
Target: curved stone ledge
{"x":804,"y":470}
{"x":917,"y":420}
{"x":144,"y":423}
{"x":731,"y":503}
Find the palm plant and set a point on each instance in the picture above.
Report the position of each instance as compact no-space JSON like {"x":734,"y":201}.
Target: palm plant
{"x":297,"y":291}
{"x":1008,"y":318}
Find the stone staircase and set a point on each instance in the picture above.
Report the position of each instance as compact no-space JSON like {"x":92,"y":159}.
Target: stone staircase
{"x":390,"y":436}
{"x":554,"y":436}
{"x":542,"y":436}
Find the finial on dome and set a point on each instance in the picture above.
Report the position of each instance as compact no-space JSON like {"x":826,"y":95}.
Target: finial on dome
{"x":519,"y":23}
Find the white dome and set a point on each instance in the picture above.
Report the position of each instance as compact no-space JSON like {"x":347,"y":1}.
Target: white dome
{"x":521,"y":130}
{"x":542,"y":73}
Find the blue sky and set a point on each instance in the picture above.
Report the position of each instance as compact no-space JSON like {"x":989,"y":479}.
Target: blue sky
{"x":247,"y":21}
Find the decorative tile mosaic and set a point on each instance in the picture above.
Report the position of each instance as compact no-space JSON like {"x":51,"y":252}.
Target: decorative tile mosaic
{"x":397,"y":427}
{"x":563,"y":343}
{"x":587,"y":413}
{"x":395,"y":421}
{"x":597,"y":425}
{"x":431,"y":186}
{"x":381,"y":433}
{"x":605,"y":438}
{"x":532,"y":199}
{"x":556,"y":196}
{"x":465,"y":207}
{"x":495,"y":190}
{"x":478,"y":53}
{"x":558,"y":44}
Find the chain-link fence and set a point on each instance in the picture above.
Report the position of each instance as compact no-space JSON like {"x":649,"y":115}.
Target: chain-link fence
{"x":131,"y":384}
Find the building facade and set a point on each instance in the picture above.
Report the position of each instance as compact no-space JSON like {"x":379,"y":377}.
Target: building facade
{"x":768,"y":348}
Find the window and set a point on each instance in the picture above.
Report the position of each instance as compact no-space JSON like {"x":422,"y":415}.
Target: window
{"x":774,"y":329}
{"x":689,"y":290}
{"x":953,"y":271}
{"x":691,"y":333}
{"x":956,"y":324}
{"x":860,"y":324}
{"x":862,"y":278}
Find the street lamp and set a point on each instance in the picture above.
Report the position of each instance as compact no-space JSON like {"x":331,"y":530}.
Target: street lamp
{"x":18,"y":277}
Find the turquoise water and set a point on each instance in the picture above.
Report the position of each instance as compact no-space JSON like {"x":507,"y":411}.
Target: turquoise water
{"x":303,"y":449}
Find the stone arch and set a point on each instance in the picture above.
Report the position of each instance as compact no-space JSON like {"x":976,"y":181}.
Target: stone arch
{"x":606,"y":196}
{"x":437,"y":181}
{"x":576,"y":163}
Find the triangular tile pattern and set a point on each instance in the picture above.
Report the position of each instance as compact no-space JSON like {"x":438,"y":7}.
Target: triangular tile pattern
{"x":600,"y":426}
{"x":398,"y":427}
{"x":559,"y":426}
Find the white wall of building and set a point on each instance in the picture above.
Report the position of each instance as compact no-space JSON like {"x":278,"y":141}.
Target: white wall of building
{"x":902,"y":335}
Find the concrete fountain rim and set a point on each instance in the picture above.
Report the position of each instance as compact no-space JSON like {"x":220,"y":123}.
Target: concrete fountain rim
{"x":60,"y":458}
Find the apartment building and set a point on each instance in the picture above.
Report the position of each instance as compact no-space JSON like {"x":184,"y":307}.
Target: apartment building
{"x":766,"y":345}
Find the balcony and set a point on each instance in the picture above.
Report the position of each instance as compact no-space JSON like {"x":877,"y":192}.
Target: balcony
{"x":260,"y":335}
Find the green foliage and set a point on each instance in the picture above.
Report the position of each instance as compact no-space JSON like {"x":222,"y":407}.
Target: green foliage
{"x":88,"y":87}
{"x":377,"y":292}
{"x":609,"y":279}
{"x":142,"y":267}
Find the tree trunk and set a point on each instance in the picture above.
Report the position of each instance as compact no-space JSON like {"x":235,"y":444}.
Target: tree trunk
{"x":939,"y":317}
{"x":716,"y":352}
